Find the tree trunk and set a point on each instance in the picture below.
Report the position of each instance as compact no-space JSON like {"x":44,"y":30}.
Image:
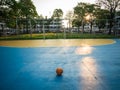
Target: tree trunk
{"x":110,"y":27}
{"x":112,"y":15}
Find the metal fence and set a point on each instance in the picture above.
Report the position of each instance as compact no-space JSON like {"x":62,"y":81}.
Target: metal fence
{"x":47,"y":28}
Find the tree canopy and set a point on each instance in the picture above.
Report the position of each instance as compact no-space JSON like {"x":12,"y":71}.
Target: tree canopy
{"x":13,"y":8}
{"x":112,"y":6}
{"x":81,"y":11}
{"x":57,"y":13}
{"x":6,"y":6}
{"x":27,"y":8}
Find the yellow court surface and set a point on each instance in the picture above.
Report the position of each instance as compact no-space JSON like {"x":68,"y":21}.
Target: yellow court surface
{"x":56,"y":42}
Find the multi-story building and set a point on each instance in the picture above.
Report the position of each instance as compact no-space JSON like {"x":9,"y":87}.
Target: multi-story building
{"x":117,"y":22}
{"x":55,"y":25}
{"x":116,"y":27}
{"x":48,"y":25}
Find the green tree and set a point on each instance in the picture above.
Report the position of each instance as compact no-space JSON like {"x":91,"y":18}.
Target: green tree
{"x":40,"y":16}
{"x":118,"y":13}
{"x":9,"y":10}
{"x":82,"y":10}
{"x":57,"y":13}
{"x":112,"y":6}
{"x":27,"y":11}
{"x":76,"y":23}
{"x":6,"y":7}
{"x":102,"y":16}
{"x":27,"y":8}
{"x":91,"y":10}
{"x":79,"y":12}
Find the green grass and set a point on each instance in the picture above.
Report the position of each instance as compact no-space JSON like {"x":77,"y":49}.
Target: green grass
{"x":58,"y":36}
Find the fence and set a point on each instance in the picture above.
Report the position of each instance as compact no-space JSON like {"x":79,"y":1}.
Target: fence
{"x":48,"y":28}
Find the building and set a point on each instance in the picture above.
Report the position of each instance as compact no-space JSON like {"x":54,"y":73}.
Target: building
{"x":55,"y":26}
{"x":116,"y":27}
{"x":48,"y":25}
{"x":117,"y":22}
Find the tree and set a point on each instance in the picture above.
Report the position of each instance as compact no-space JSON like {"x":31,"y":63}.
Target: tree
{"x":118,"y":13}
{"x":57,"y":13}
{"x":79,"y":12}
{"x":7,"y":3}
{"x":69,"y":17}
{"x":76,"y":23}
{"x":112,"y":6}
{"x":27,"y":8}
{"x":6,"y":6}
{"x":27,"y":11}
{"x":102,"y":16}
{"x":82,"y":10}
{"x":90,"y":11}
{"x":40,"y":16}
{"x":9,"y":10}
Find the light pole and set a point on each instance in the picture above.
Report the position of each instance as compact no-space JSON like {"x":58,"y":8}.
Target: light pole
{"x":30,"y":28}
{"x":43,"y":30}
{"x":64,"y":34}
{"x":16,"y":26}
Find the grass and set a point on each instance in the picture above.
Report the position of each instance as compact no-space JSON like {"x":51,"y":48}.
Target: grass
{"x":58,"y":36}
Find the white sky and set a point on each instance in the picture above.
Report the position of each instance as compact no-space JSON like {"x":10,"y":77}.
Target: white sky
{"x":46,"y":7}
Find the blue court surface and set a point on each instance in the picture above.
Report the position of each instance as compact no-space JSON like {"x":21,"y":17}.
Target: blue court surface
{"x":84,"y":68}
